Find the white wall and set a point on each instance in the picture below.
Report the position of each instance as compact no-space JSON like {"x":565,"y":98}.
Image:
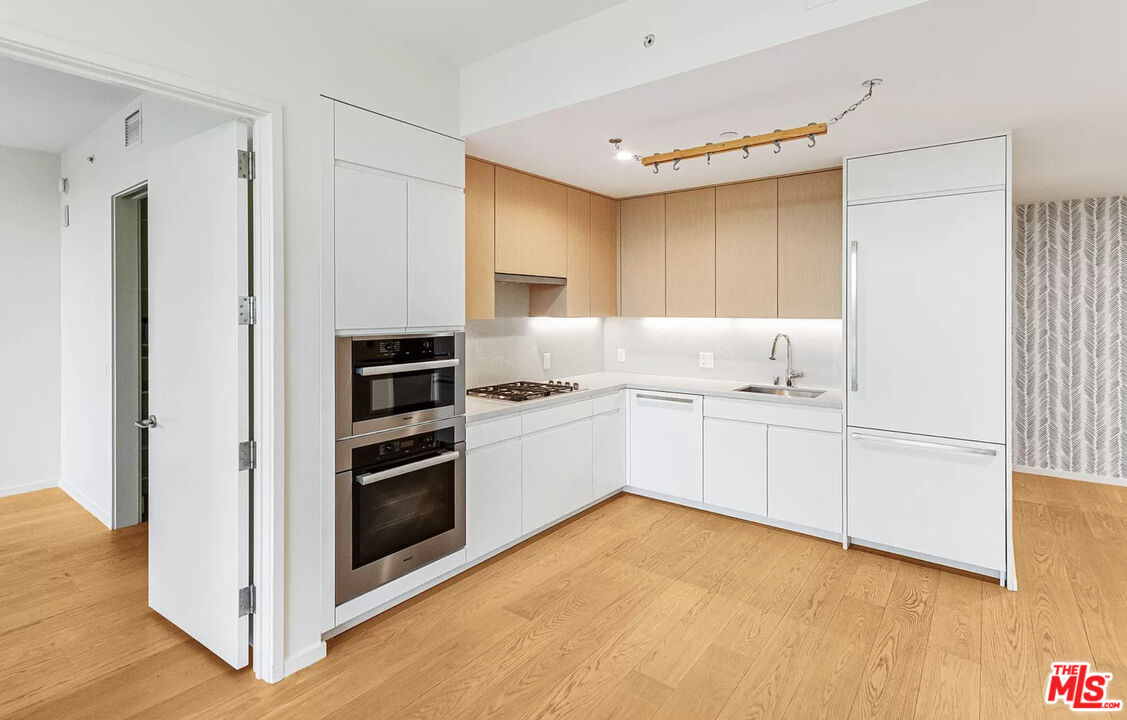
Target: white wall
{"x":29,"y":320}
{"x":290,"y":52}
{"x":86,"y":472}
{"x":672,"y":346}
{"x":603,"y":53}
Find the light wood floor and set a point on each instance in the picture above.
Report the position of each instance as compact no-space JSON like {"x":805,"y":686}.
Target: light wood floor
{"x":636,"y":609}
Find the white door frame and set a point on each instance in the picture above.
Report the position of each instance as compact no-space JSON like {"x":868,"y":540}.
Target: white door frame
{"x":268,"y":496}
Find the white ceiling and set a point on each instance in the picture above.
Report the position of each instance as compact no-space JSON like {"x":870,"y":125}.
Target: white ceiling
{"x":1051,"y":71}
{"x":462,"y":31}
{"x":49,"y":111}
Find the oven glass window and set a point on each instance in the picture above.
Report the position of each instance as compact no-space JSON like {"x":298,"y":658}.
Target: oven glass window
{"x":394,"y":514}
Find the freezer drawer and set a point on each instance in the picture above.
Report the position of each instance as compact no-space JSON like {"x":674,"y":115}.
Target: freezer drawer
{"x":941,"y":498}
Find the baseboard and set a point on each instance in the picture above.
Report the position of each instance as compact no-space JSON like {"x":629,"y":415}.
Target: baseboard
{"x":1067,"y":475}
{"x":90,"y":506}
{"x":304,"y":659}
{"x":26,"y":488}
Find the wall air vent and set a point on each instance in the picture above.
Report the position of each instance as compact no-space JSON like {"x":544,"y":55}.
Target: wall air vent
{"x":133,"y":128}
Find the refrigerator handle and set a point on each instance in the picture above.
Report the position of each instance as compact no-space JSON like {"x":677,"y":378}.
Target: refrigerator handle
{"x":851,"y":319}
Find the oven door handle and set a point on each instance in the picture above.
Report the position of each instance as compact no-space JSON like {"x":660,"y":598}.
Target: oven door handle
{"x":374,"y":370}
{"x":440,"y":459}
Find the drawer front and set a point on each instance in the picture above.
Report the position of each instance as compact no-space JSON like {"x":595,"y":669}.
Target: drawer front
{"x":606,"y":403}
{"x":938,"y":497}
{"x":766,"y":413}
{"x":492,"y":431}
{"x":537,"y":420}
{"x":956,"y":167}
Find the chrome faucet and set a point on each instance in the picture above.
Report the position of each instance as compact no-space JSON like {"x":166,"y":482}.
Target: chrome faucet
{"x":791,"y":374}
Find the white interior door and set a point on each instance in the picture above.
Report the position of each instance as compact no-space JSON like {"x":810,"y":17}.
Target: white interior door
{"x":928,"y":344}
{"x":199,"y":390}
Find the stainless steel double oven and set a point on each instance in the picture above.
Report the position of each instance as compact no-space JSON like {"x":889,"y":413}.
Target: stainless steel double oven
{"x":400,"y":456}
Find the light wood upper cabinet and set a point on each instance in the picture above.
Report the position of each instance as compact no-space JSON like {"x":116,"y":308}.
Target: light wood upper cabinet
{"x":479,"y":240}
{"x":604,"y":257}
{"x":690,"y":253}
{"x":574,"y":298}
{"x":531,"y":225}
{"x":643,"y":256}
{"x":747,"y":232}
{"x":810,"y":245}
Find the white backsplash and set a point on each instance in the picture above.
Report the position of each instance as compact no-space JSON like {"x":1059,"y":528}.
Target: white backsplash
{"x":512,"y":348}
{"x":740,"y":348}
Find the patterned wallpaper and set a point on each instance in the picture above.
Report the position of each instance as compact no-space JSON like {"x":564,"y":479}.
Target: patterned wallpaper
{"x":1070,"y":336}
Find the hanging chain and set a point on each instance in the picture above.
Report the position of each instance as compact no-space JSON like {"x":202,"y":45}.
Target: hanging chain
{"x":871,"y":84}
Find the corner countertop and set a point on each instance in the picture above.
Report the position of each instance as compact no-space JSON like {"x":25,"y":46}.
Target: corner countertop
{"x":603,"y":383}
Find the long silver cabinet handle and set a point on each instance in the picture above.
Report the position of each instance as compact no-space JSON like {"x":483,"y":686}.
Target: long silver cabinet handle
{"x":440,"y":459}
{"x":665,"y":398}
{"x":406,"y":367}
{"x":923,"y":444}
{"x":853,"y":313}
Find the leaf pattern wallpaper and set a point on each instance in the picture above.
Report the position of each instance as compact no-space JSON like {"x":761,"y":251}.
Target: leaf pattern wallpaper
{"x":1070,"y":336}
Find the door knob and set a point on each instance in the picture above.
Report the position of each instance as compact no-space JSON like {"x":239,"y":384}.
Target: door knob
{"x":148,"y":423}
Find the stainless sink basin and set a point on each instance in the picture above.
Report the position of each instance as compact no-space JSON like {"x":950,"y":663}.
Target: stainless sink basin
{"x":782,"y":391}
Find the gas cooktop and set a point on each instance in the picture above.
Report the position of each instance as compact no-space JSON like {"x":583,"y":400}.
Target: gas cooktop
{"x":524,"y":390}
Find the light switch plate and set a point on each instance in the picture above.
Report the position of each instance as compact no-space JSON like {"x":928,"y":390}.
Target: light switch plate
{"x":621,"y":355}
{"x":547,"y":361}
{"x":707,"y":360}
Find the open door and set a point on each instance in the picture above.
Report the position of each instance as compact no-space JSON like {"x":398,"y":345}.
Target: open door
{"x":199,"y":389}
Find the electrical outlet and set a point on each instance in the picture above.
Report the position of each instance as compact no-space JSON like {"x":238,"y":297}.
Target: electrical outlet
{"x":547,"y":361}
{"x":707,"y":360}
{"x":621,"y":355}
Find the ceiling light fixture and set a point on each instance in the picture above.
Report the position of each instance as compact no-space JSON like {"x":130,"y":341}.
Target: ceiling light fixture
{"x":622,"y":153}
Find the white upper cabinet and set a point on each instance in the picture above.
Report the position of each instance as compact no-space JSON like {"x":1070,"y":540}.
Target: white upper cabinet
{"x":940,"y":169}
{"x":399,"y":224}
{"x":667,"y":443}
{"x":368,"y":138}
{"x":927,"y":343}
{"x":436,"y":255}
{"x":371,"y":249}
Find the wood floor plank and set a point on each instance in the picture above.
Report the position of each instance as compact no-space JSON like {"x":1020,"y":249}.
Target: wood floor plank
{"x":949,"y":683}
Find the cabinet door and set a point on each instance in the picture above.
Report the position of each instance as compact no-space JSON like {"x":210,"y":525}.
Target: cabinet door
{"x":690,"y":253}
{"x":574,"y":298}
{"x":606,"y":440}
{"x":370,"y":250}
{"x":556,"y":473}
{"x":604,"y":257}
{"x":810,"y":210}
{"x":735,"y":465}
{"x":950,"y":167}
{"x":531,"y":224}
{"x":931,"y":316}
{"x":804,"y":477}
{"x":747,"y":243}
{"x":480,"y":261}
{"x":493,"y":490}
{"x":666,"y":443}
{"x":436,"y":255}
{"x":945,"y":499}
{"x":643,"y":256}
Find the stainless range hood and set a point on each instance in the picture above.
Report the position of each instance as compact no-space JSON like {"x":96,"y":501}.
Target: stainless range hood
{"x":529,"y":279}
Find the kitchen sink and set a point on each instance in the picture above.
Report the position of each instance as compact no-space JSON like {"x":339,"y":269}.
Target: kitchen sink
{"x":783,"y":391}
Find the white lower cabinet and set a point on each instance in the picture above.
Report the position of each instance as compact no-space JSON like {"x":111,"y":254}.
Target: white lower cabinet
{"x":804,"y":477}
{"x":493,"y":497}
{"x":556,"y":470}
{"x":940,"y":498}
{"x":606,"y":443}
{"x":666,"y":443}
{"x":735,"y":465}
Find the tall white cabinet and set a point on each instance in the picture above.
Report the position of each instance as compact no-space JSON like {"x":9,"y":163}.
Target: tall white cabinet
{"x":927,"y":248}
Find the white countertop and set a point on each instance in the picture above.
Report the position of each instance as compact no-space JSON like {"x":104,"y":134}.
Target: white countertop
{"x":602,"y":383}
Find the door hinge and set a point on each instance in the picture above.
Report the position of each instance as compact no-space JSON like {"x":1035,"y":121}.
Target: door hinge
{"x":247,"y":598}
{"x":248,"y":310}
{"x":248,"y":455}
{"x":246,"y":165}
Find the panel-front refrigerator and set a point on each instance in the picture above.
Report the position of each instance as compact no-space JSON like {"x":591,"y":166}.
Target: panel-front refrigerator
{"x":927,"y":369}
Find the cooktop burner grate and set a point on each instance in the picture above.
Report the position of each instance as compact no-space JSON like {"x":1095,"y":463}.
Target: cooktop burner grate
{"x":523,"y":390}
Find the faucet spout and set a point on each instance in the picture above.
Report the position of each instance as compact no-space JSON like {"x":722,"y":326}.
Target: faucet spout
{"x":791,"y":373}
